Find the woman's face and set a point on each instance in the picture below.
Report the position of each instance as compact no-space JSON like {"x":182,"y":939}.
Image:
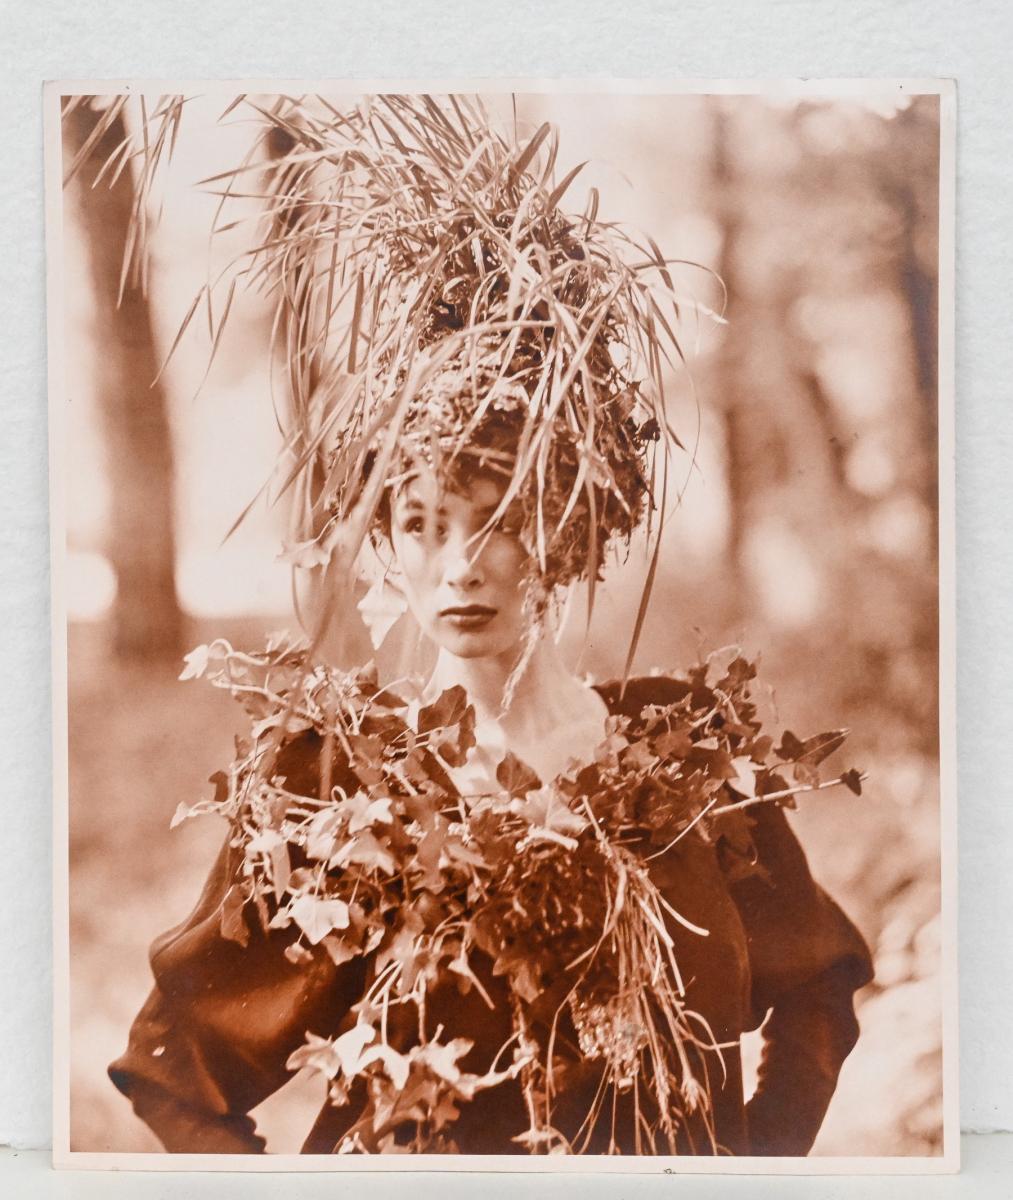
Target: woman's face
{"x":465,"y":591}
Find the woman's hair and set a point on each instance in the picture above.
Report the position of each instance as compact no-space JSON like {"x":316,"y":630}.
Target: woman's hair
{"x":571,"y":513}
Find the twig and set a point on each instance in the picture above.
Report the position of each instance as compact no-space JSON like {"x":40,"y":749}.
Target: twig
{"x":795,"y":791}
{"x":682,"y":832}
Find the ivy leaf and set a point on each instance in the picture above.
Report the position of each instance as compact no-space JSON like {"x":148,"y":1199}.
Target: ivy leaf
{"x":321,"y":834}
{"x":425,"y":769}
{"x":366,"y":751}
{"x":740,"y":671}
{"x":714,"y":760}
{"x":363,"y":812}
{"x":816,"y":749}
{"x":547,"y":1136}
{"x":305,"y":554}
{"x":263,"y":914}
{"x":466,"y":976}
{"x":183,"y":810}
{"x":293,"y":724}
{"x":366,"y":679}
{"x":638,"y":756}
{"x":853,"y":781}
{"x":736,"y":850}
{"x":653,"y":714}
{"x":196,"y":663}
{"x":317,"y":917}
{"x":445,"y":712}
{"x":381,"y":607}
{"x":233,"y":924}
{"x":614,"y":742}
{"x":545,"y":810}
{"x":790,"y":748}
{"x":386,"y":726}
{"x":365,"y":850}
{"x":264,"y":842}
{"x":441,"y":1058}
{"x":201,"y":658}
{"x":805,"y":774}
{"x":402,"y":949}
{"x":349,"y":1047}
{"x":516,"y":777}
{"x":338,"y":950}
{"x":468,"y":1085}
{"x":415,"y":1102}
{"x":444,"y":1112}
{"x":421,"y":807}
{"x":770,"y":781}
{"x":281,"y":869}
{"x":454,"y":749}
{"x":298,"y":955}
{"x":429,"y":853}
{"x":526,"y":981}
{"x":588,"y":779}
{"x":744,"y":780}
{"x":673,"y":744}
{"x":760,"y":748}
{"x":315,"y":1054}
{"x":221,"y":781}
{"x":396,"y":1065}
{"x":458,"y":854}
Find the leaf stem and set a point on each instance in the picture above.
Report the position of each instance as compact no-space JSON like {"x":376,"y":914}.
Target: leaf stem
{"x":795,"y":791}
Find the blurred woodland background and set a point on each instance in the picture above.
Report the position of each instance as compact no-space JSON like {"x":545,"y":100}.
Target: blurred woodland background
{"x":806,"y":534}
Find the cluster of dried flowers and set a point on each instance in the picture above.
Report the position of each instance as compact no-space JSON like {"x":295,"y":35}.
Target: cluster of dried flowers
{"x":419,"y":852}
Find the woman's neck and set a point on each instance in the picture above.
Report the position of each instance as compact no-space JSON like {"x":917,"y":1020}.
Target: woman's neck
{"x":545,"y":686}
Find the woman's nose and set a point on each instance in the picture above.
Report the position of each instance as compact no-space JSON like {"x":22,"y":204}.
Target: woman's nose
{"x":463,"y":567}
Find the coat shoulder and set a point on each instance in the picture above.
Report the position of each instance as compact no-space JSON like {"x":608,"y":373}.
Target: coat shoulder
{"x":639,"y":691}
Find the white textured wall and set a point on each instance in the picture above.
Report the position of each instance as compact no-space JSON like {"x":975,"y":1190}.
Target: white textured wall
{"x":197,"y":39}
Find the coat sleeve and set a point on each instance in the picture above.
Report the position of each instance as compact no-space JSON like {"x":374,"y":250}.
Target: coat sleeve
{"x":213,"y":1038}
{"x":807,"y":960}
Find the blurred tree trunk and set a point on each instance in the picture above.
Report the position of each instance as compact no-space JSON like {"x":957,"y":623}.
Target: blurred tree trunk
{"x":726,"y":210}
{"x":916,"y":205}
{"x":783,"y":445}
{"x":757,"y":385}
{"x":147,"y":621}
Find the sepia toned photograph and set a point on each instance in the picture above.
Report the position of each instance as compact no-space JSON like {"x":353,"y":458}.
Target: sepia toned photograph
{"x":501,"y":548}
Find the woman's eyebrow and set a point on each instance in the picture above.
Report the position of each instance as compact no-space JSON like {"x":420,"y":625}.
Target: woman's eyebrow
{"x":413,"y":504}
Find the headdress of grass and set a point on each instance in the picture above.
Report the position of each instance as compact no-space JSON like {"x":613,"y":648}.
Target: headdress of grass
{"x":408,"y":241}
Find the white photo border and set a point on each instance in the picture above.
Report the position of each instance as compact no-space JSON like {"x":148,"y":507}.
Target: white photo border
{"x":948,"y":1161}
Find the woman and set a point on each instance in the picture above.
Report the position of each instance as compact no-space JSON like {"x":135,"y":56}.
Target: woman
{"x":598,"y":882}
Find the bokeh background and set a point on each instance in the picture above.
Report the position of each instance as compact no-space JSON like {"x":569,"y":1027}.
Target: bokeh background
{"x":806,"y":532}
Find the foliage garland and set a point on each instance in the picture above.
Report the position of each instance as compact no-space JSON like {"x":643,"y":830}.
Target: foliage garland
{"x":421,"y":854}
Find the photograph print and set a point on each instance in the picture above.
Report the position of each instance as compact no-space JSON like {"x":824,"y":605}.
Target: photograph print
{"x":500,"y":636}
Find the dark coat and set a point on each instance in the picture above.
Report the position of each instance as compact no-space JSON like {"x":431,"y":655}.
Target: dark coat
{"x":212,"y":1040}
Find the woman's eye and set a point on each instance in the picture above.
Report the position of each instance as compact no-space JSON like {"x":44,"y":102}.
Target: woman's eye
{"x":414,"y":525}
{"x":508,"y":525}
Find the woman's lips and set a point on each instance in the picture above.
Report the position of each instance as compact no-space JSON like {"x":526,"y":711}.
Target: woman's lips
{"x":468,"y":616}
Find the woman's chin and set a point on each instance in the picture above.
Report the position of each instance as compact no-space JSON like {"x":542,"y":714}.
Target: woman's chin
{"x":471,"y":644}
